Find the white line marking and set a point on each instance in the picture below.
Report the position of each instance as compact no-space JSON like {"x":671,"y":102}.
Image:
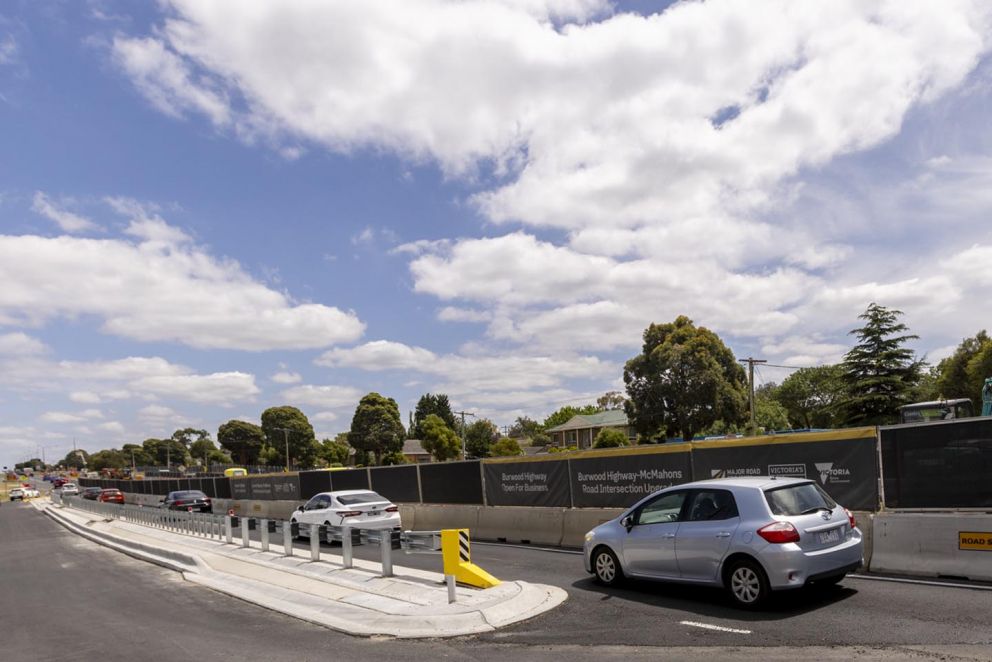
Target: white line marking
{"x":718,"y":628}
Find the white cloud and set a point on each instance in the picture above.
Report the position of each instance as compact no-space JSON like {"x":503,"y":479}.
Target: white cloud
{"x":20,"y":344}
{"x":378,"y":355}
{"x":8,"y":49}
{"x":325,"y":416}
{"x":223,"y":388}
{"x":67,"y":220}
{"x":328,"y":396}
{"x":71,"y":417}
{"x":285,"y":377}
{"x":114,"y":427}
{"x":85,"y":397}
{"x":453,"y":314}
{"x":158,"y":289}
{"x":156,"y":412}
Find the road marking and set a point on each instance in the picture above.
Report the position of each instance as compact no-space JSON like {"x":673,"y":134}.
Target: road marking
{"x":718,"y":628}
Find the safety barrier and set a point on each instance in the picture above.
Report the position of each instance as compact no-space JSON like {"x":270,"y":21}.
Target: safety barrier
{"x":223,"y":527}
{"x":945,"y":545}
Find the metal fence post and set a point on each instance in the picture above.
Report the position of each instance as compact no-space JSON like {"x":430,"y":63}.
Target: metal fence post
{"x":287,"y":538}
{"x":386,"y":552}
{"x":450,"y":581}
{"x":264,"y":524}
{"x":228,"y":533}
{"x":315,"y":542}
{"x":244,"y":533}
{"x":346,"y":558}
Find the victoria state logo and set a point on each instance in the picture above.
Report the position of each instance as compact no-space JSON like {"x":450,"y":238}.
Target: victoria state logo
{"x":829,"y":474}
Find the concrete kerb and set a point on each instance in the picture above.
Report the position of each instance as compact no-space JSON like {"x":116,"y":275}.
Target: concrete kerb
{"x":475,"y":612}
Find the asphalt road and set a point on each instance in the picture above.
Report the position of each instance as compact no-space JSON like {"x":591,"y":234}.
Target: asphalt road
{"x":66,"y":597}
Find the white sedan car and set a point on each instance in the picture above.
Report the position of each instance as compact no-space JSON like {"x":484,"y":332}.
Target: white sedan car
{"x":361,"y":509}
{"x":69,"y":489}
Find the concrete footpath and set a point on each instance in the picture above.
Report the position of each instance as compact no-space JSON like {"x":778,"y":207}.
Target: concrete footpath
{"x":357,"y":600}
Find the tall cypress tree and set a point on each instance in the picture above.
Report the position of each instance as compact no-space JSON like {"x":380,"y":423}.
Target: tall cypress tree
{"x":879,"y":371}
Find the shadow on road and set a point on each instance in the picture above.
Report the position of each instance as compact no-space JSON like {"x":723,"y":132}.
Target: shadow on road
{"x":711,"y":601}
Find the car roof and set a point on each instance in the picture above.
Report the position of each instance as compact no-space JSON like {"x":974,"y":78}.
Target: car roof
{"x":337,"y":493}
{"x":757,"y":482}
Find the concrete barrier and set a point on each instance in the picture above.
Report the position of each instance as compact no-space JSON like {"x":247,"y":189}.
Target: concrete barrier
{"x":431,"y":517}
{"x":408,"y":517}
{"x":866,"y":522}
{"x":538,"y":526}
{"x":927,"y":544}
{"x":579,"y":521}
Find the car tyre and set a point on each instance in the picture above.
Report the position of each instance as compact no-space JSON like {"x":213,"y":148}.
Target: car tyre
{"x":606,"y":567}
{"x":747,"y":584}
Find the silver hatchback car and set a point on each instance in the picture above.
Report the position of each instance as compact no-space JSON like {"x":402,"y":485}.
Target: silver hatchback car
{"x":750,"y":535}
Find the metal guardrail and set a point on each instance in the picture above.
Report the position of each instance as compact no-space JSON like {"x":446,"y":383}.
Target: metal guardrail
{"x":222,"y":528}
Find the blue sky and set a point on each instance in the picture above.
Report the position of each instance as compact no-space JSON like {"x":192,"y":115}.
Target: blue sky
{"x":207,"y":209}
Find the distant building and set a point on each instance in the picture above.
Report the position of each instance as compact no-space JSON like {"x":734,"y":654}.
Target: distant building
{"x":581,"y":429}
{"x":413,"y":451}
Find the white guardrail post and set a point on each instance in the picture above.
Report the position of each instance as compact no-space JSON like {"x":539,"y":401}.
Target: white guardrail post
{"x":315,"y":542}
{"x":346,"y":552}
{"x":264,"y":533}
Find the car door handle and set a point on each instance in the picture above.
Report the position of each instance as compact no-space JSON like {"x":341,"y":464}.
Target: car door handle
{"x":669,"y":535}
{"x":723,"y":534}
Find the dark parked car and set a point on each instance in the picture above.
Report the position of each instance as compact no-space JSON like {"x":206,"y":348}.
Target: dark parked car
{"x":91,"y":493}
{"x":186,"y":500}
{"x":111,"y":496}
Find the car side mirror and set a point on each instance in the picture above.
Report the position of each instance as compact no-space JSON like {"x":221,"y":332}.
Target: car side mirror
{"x":627,"y":522}
{"x":300,"y":508}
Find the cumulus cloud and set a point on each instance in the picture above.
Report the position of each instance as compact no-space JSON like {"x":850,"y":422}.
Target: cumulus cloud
{"x":158,"y":287}
{"x":20,"y":344}
{"x":285,"y":377}
{"x":328,"y":396}
{"x":67,"y":220}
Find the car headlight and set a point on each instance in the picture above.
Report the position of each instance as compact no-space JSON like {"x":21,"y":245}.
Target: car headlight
{"x":590,"y":536}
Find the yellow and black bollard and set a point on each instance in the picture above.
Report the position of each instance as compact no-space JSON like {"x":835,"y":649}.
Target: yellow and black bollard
{"x":457,"y":553}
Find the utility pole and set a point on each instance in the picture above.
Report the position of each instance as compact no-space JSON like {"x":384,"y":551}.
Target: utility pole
{"x":285,"y":433}
{"x":750,"y":361}
{"x":463,"y":415}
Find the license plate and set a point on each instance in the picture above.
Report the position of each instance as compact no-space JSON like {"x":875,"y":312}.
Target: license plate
{"x":373,"y":513}
{"x":832,"y":535}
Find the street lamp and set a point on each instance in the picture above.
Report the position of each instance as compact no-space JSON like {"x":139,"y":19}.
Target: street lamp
{"x":285,"y":433}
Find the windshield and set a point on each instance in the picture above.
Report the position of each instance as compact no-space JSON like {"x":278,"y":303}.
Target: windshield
{"x":362,"y":497}
{"x":798,"y":499}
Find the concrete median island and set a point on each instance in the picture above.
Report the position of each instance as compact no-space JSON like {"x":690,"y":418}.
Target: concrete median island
{"x":357,"y":600}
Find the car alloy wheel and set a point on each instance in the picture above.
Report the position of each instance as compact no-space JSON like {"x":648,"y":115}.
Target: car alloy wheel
{"x":607,"y":567}
{"x":747,"y":584}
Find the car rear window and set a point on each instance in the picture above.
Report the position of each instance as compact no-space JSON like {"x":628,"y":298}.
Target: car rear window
{"x":798,"y":499}
{"x":192,"y":494}
{"x":362,"y":497}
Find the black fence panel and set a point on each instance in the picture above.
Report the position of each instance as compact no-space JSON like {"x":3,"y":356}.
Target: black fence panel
{"x":398,"y":484}
{"x":938,"y":465}
{"x":846,"y":468}
{"x":268,"y":488}
{"x":223,"y":487}
{"x":350,"y":479}
{"x":314,"y":482}
{"x":240,"y":488}
{"x":209,"y":487}
{"x":451,"y":482}
{"x":618,"y":481}
{"x":542,"y":483}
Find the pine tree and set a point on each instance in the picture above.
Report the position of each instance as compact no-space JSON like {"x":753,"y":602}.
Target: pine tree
{"x":879,"y":371}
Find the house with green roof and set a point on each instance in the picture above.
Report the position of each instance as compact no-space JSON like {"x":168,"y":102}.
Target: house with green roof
{"x":581,"y":429}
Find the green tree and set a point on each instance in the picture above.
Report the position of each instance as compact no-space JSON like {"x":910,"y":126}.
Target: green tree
{"x":540,"y":439}
{"x":610,"y":438}
{"x":108,"y":459}
{"x":187,"y":436}
{"x":566,"y":413}
{"x":525,"y":427}
{"x":75,"y":459}
{"x":376,"y":427}
{"x":285,"y":424}
{"x":611,"y":400}
{"x":962,"y":374}
{"x":769,"y":413}
{"x":335,"y":451}
{"x":480,"y":435}
{"x":271,"y":456}
{"x":879,"y":370}
{"x":811,"y":396}
{"x":165,"y":452}
{"x":505,"y":447}
{"x":141,"y":457}
{"x":436,"y":404}
{"x":438,"y":439}
{"x":684,"y":380}
{"x":242,"y":440}
{"x":201,"y":449}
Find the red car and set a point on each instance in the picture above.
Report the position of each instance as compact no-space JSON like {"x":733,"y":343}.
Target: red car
{"x":111,"y":496}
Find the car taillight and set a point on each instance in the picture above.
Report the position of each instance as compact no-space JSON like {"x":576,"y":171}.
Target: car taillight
{"x":349,"y":513}
{"x":779,"y":533}
{"x":392,"y":509}
{"x":850,"y":518}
